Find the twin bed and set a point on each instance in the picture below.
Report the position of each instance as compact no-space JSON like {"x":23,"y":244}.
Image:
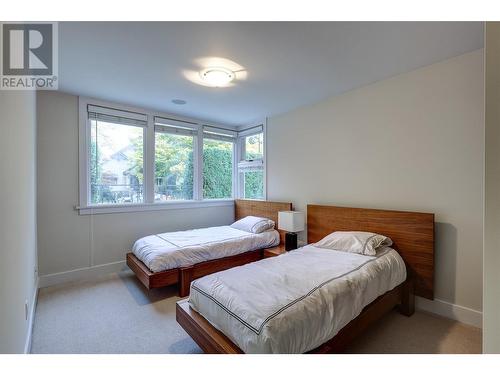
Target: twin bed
{"x":181,"y":257}
{"x":315,"y":299}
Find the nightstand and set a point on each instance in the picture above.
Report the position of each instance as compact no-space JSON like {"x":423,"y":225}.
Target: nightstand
{"x":275,"y":251}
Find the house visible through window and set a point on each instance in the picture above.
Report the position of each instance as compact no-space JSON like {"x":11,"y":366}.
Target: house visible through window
{"x":116,"y":159}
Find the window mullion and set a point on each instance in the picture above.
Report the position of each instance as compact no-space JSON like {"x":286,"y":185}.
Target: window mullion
{"x":83,"y":154}
{"x":240,"y":145}
{"x":198,"y":166}
{"x":149,"y":161}
{"x":234,"y":187}
{"x":264,"y":158}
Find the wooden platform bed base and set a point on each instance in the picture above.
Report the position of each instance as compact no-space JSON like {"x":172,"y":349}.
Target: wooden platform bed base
{"x":184,"y":276}
{"x":412,"y":234}
{"x":212,"y":341}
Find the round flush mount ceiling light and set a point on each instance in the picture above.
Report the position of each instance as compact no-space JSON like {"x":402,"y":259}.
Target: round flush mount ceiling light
{"x":212,"y":71}
{"x":179,"y":101}
{"x":217,"y":77}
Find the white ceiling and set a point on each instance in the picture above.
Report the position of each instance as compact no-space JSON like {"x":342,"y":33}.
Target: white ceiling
{"x":287,"y":64}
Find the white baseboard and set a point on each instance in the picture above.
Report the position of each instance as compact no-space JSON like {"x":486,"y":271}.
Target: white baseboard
{"x":81,"y":274}
{"x":31,"y":318}
{"x":451,"y":311}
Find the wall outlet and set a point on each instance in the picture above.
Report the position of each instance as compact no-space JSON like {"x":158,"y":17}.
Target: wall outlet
{"x":26,"y":310}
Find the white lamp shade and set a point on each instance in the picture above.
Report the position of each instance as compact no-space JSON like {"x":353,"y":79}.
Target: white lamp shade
{"x":291,"y":221}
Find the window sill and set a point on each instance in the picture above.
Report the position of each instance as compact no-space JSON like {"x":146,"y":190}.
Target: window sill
{"x":140,"y":207}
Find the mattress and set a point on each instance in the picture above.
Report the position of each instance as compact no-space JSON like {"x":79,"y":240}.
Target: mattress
{"x":170,"y":250}
{"x":294,"y":302}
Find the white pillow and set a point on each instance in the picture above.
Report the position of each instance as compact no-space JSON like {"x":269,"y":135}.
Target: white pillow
{"x":253,"y":224}
{"x":365,"y":243}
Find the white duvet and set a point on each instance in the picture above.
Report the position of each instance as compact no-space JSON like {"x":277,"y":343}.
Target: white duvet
{"x":165,"y":251}
{"x":294,"y":302}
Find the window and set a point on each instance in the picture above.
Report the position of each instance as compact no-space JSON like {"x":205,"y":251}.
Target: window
{"x":174,"y":163}
{"x":254,"y":146}
{"x":116,"y":158}
{"x":138,"y":160}
{"x":253,"y":182}
{"x":251,"y":165}
{"x":218,"y":150}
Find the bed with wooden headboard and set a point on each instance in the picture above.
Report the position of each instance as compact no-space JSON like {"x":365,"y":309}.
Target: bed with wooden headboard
{"x":183,"y":276}
{"x":413,"y":237}
{"x":412,"y":234}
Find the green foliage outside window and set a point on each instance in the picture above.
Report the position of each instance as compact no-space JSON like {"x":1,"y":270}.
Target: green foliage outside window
{"x":217,"y":169}
{"x":173,"y":166}
{"x":254,"y":184}
{"x":174,"y":161}
{"x":174,"y":169}
{"x":253,"y":179}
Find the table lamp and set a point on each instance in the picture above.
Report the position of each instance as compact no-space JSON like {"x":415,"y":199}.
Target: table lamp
{"x":292,"y":222}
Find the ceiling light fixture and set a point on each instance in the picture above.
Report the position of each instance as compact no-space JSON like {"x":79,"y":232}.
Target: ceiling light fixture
{"x":179,"y":101}
{"x":217,"y":77}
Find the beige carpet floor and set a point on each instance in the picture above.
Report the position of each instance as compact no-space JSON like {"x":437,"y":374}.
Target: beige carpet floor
{"x":115,"y":314}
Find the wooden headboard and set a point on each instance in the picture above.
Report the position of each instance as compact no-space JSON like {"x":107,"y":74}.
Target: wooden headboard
{"x":411,"y":232}
{"x":247,"y":207}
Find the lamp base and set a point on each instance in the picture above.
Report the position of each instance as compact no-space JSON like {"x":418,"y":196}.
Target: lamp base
{"x":290,"y":241}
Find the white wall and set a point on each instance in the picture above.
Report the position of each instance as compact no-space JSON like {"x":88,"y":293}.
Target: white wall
{"x":491,"y":322}
{"x":17,"y":218}
{"x":68,"y":241}
{"x":413,"y":142}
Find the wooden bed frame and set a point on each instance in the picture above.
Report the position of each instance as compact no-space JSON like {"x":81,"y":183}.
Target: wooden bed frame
{"x":184,"y":276}
{"x":413,"y":237}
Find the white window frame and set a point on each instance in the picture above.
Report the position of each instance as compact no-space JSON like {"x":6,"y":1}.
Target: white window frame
{"x":190,"y":129}
{"x":243,"y":132}
{"x":85,"y":207}
{"x":226,"y":135}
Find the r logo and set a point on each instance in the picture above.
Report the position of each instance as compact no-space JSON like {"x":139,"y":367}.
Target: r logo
{"x":27,"y":49}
